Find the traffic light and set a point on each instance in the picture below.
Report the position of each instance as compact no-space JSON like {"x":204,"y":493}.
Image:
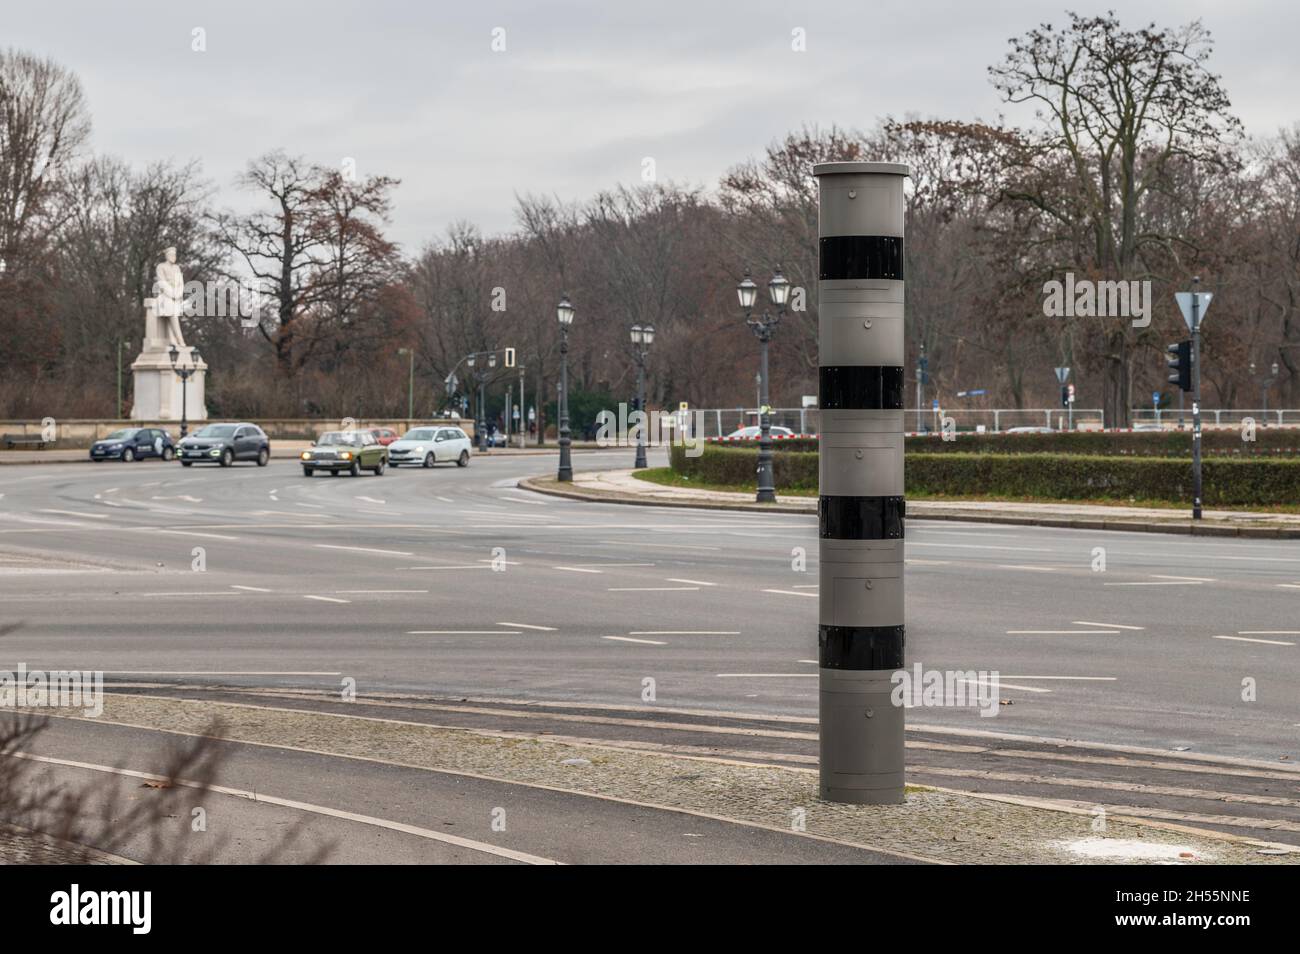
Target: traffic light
{"x":1179,"y":364}
{"x":1065,"y":395}
{"x":510,"y":357}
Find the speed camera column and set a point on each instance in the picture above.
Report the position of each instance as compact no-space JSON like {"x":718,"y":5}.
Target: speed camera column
{"x":860,"y":510}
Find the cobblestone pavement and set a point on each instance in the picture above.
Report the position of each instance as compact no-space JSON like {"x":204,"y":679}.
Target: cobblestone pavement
{"x":934,"y":824}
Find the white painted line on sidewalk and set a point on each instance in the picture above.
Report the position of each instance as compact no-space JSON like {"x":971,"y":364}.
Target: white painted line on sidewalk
{"x":792,"y":593}
{"x":463,"y":632}
{"x":251,"y":589}
{"x":545,"y":629}
{"x":1248,"y":639}
{"x":1063,"y":632}
{"x":1080,"y":622}
{"x":629,"y":639}
{"x":648,"y":589}
{"x":673,"y":579}
{"x":335,"y":546}
{"x":326,"y":599}
{"x":263,"y":798}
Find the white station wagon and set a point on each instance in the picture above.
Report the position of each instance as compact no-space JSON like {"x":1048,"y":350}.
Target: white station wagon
{"x":427,"y":446}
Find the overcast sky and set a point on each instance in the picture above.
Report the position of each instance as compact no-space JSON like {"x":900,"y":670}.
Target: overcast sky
{"x":583,"y":91}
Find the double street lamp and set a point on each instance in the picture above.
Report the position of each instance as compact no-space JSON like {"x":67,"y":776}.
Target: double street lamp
{"x":763,"y":327}
{"x":564,"y":312}
{"x":185,"y":372}
{"x":1265,"y":384}
{"x":481,"y":374}
{"x":643,"y":337}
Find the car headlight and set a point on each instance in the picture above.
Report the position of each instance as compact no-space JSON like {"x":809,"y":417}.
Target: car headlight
{"x":306,"y":455}
{"x":419,"y":450}
{"x":346,"y":455}
{"x":215,"y":452}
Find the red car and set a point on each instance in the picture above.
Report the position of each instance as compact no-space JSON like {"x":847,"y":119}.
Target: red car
{"x":385,"y":435}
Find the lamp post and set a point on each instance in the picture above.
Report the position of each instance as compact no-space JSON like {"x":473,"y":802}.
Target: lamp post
{"x":643,"y":337}
{"x":185,"y":374}
{"x":120,"y":346}
{"x":564,"y":313}
{"x":410,"y":384}
{"x":778,"y":289}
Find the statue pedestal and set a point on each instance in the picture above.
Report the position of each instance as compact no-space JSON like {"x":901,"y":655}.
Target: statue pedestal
{"x":158,"y":394}
{"x":158,"y":388}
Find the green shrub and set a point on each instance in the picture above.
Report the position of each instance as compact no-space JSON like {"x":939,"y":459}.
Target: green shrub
{"x":739,"y":465}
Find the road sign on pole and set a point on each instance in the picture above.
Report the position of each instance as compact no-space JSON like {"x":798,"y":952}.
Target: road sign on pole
{"x":1062,"y":374}
{"x":1190,"y":303}
{"x":860,"y":480}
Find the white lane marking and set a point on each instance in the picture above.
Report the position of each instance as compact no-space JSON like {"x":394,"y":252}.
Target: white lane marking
{"x":649,"y":589}
{"x":609,"y":564}
{"x":1020,"y":566}
{"x":667,"y":546}
{"x":1191,"y":579}
{"x":811,"y":662}
{"x":195,"y":533}
{"x":792,"y":593}
{"x":213,"y":672}
{"x":444,"y":499}
{"x":263,"y":797}
{"x":545,"y":629}
{"x":1080,"y":622}
{"x":381,"y":591}
{"x":806,"y":586}
{"x":1068,"y":678}
{"x":927,"y":562}
{"x":251,"y":589}
{"x":110,"y":503}
{"x":1063,"y":632}
{"x":577,"y":569}
{"x":978,"y":546}
{"x":1000,"y":684}
{"x":536,"y":503}
{"x":373,"y":500}
{"x":1289,"y":586}
{"x":77,"y":513}
{"x":1249,"y":639}
{"x":471,"y":566}
{"x":629,"y":639}
{"x":182,"y":593}
{"x":326,"y":599}
{"x":1161,"y":583}
{"x":1268,"y":632}
{"x":767,"y":675}
{"x":299,"y":503}
{"x":335,"y":546}
{"x":112,"y":490}
{"x":186,"y":497}
{"x":673,"y":579}
{"x":684,"y":632}
{"x":463,"y":632}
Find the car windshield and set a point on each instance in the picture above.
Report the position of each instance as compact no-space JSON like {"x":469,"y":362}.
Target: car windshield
{"x":216,"y":430}
{"x":122,"y":435}
{"x":350,"y":438}
{"x":419,"y":434}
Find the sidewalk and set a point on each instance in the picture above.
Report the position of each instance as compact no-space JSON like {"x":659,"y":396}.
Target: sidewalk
{"x":620,"y":486}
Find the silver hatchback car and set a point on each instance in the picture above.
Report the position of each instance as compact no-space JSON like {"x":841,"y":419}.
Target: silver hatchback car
{"x":431,"y":445}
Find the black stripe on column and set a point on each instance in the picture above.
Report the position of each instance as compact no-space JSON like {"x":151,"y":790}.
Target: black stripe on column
{"x":861,"y":518}
{"x":851,"y":387}
{"x":860,"y":647}
{"x":860,"y":256}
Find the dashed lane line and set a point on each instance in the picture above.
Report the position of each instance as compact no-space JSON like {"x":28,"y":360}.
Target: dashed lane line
{"x":325,"y":599}
{"x":1251,"y":639}
{"x":629,"y":639}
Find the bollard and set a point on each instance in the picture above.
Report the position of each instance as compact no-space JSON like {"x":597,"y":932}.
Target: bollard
{"x":860,"y":508}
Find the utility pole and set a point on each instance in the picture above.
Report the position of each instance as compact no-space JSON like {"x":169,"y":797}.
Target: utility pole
{"x":860,"y":479}
{"x":1196,"y":398}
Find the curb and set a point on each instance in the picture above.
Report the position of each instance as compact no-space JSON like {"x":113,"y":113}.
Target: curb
{"x":547,"y":485}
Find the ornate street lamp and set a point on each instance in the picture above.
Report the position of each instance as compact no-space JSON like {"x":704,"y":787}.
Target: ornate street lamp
{"x":185,"y":374}
{"x":564,"y":312}
{"x":643,"y":337}
{"x":778,"y":289}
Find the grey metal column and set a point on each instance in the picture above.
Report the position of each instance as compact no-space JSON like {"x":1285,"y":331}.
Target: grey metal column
{"x":860,"y":511}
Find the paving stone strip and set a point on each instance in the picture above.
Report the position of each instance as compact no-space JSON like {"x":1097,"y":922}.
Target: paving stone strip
{"x":938,"y":825}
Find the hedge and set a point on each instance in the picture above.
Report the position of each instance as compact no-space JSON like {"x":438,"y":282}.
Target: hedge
{"x":1269,"y":442}
{"x":1226,"y":482}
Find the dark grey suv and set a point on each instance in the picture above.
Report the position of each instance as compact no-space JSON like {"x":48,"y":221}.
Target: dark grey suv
{"x":224,"y":444}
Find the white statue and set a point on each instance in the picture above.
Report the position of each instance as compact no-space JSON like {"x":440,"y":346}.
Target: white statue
{"x":169,"y":296}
